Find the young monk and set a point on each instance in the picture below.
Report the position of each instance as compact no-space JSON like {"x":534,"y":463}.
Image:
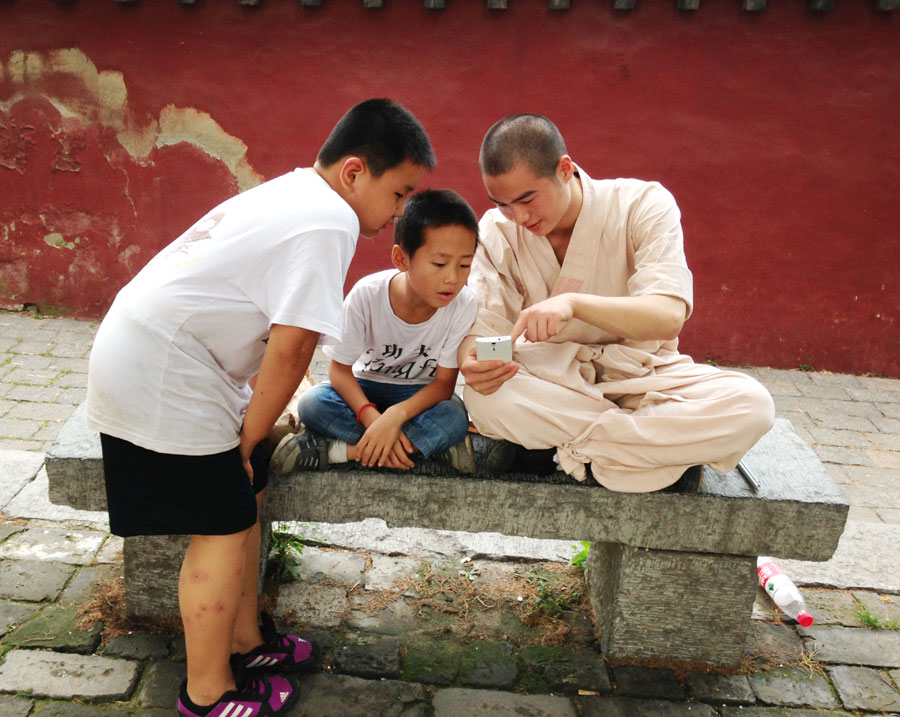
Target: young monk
{"x":589,"y":277}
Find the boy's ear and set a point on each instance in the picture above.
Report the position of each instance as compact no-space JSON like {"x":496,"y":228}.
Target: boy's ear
{"x":399,"y":258}
{"x":565,"y":168}
{"x":351,"y":169}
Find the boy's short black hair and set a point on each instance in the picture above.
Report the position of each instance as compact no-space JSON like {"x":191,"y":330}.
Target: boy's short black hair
{"x":381,"y":132}
{"x":532,"y":139}
{"x":432,"y":208}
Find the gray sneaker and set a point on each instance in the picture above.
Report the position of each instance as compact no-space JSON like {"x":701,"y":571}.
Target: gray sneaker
{"x":302,"y":451}
{"x":460,"y":456}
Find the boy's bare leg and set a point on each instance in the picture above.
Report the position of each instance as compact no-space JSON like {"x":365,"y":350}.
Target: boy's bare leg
{"x":246,"y":626}
{"x":209,"y":592}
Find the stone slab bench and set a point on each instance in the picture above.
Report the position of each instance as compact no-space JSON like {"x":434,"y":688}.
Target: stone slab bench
{"x":671,"y":575}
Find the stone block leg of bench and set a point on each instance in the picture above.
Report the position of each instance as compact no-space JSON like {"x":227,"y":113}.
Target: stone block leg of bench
{"x":152,"y":566}
{"x":678,"y":606}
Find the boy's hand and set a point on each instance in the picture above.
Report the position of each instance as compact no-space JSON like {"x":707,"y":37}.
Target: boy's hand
{"x":383,"y":443}
{"x":485,"y":376}
{"x":399,"y":455}
{"x":246,"y":448}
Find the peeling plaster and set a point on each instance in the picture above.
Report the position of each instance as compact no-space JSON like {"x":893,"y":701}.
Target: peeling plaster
{"x":189,"y":125}
{"x":127,"y":253}
{"x":85,"y":263}
{"x":14,"y":145}
{"x":57,"y":241}
{"x":66,"y":156}
{"x":106,"y":102}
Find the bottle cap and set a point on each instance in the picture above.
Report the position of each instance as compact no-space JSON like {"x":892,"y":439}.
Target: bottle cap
{"x":805,"y":619}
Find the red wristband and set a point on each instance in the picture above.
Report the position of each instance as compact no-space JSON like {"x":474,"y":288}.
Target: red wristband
{"x":363,"y":408}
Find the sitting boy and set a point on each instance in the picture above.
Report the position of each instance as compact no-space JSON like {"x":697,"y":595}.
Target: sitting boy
{"x":246,"y":291}
{"x":392,"y":377}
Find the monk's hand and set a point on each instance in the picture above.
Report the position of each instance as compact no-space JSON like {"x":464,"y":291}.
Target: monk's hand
{"x":486,"y":376}
{"x":544,"y":319}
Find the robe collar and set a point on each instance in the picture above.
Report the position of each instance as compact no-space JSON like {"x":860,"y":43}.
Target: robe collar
{"x":579,"y":262}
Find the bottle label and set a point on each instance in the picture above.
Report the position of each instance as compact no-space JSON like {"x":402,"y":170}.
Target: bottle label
{"x":766,"y":572}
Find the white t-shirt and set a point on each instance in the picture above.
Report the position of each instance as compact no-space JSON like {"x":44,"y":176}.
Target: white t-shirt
{"x":170,"y":363}
{"x":383,"y":347}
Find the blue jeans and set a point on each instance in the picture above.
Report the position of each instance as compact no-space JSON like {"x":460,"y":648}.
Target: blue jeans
{"x":322,"y":410}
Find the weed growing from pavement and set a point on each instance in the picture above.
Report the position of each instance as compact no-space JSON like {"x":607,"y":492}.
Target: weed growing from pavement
{"x":810,"y":665}
{"x":470,"y":571}
{"x":874,"y":622}
{"x":553,"y":595}
{"x":581,"y":555}
{"x":286,"y":551}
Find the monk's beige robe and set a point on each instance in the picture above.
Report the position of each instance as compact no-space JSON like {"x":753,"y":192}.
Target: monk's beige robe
{"x":640,"y":413}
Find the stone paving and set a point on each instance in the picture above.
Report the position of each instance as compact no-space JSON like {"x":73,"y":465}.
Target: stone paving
{"x":412,"y":622}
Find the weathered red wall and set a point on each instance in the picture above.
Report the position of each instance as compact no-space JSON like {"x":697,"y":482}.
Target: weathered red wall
{"x":776,"y":131}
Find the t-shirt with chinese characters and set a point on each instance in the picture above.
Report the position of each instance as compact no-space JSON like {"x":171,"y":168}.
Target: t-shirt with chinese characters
{"x":383,"y":347}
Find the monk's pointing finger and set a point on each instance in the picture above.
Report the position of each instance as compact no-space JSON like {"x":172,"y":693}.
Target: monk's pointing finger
{"x":519,"y":326}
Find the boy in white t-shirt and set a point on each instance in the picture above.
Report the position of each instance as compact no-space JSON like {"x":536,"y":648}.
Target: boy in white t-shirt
{"x":245,"y":292}
{"x":391,"y":395}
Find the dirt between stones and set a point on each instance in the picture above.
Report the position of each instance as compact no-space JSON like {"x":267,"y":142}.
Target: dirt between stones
{"x":548,"y":599}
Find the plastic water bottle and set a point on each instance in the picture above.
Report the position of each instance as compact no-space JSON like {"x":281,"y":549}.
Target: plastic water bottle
{"x":782,"y":590}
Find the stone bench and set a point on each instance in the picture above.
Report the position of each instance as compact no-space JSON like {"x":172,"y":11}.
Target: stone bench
{"x":671,"y":575}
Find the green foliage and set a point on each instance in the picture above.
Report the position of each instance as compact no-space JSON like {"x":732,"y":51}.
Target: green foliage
{"x":285,"y":552}
{"x":551,"y":599}
{"x":581,"y":554}
{"x":874,"y":622}
{"x":470,"y":571}
{"x":805,"y":367}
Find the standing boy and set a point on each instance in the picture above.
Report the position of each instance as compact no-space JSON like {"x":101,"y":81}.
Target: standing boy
{"x":392,"y":377}
{"x":246,"y":291}
{"x":592,"y":274}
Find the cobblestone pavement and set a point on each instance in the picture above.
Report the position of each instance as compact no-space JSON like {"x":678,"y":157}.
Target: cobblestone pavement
{"x":415,"y":656}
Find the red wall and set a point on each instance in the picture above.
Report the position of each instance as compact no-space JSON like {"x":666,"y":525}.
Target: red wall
{"x":776,"y":131}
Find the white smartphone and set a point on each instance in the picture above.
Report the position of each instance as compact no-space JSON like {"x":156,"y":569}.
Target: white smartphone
{"x":493,"y":348}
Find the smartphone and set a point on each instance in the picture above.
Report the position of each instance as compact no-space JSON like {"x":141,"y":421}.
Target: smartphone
{"x":493,"y":348}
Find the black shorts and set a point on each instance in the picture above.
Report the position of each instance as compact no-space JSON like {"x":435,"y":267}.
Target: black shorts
{"x":150,"y":493}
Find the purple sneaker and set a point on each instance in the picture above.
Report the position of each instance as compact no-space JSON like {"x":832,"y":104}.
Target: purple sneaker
{"x":278,"y":653}
{"x":254,"y":697}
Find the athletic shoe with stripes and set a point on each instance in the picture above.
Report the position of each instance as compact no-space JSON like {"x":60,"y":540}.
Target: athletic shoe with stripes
{"x":278,"y":653}
{"x":254,"y":697}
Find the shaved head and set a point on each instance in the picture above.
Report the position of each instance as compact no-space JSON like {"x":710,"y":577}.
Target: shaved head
{"x":531,"y":139}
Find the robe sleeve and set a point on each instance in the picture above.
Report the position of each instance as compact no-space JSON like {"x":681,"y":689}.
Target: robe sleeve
{"x":657,"y":247}
{"x":495,"y":280}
